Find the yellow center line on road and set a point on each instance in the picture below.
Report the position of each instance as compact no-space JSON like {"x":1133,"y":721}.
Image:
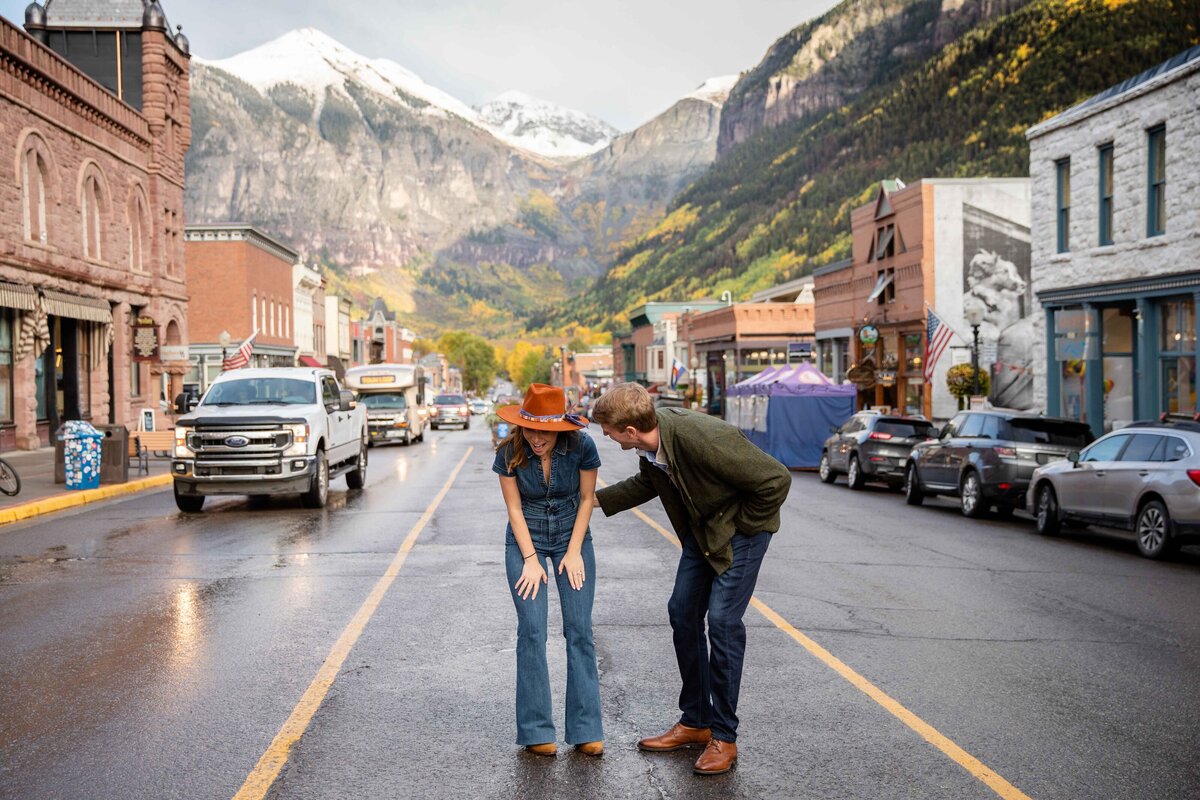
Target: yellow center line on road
{"x":269,"y":766}
{"x":929,"y":733}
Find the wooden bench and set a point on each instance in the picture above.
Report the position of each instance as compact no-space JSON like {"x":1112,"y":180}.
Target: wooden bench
{"x":144,"y":445}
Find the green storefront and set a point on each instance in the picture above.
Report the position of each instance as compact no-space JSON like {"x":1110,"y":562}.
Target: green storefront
{"x":1120,"y":352}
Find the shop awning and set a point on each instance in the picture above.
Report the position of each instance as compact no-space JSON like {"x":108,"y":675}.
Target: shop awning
{"x":91,"y":309}
{"x":18,"y":296}
{"x":309,"y":361}
{"x":884,"y":279}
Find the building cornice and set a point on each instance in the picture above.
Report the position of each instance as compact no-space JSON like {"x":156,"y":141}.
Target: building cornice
{"x":240,"y":233}
{"x":1162,"y":284}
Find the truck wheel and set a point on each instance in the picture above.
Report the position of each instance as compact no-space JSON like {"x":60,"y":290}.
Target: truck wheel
{"x":357,"y":477}
{"x":189,"y":503}
{"x":467,"y":425}
{"x":318,"y":490}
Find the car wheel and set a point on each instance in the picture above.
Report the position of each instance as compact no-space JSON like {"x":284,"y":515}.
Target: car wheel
{"x":434,"y":426}
{"x":970,"y":494}
{"x":854,"y":476}
{"x":912,"y":487}
{"x":357,"y":477}
{"x":189,"y":503}
{"x":1153,"y":530}
{"x":825,"y":471}
{"x":1047,"y":518}
{"x":467,"y":425}
{"x":318,"y":489}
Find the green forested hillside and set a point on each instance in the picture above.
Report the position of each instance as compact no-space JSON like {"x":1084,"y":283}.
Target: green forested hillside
{"x":779,"y":204}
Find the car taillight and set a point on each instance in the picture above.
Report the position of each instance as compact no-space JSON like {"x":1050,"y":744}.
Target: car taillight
{"x":883,"y":437}
{"x":1006,"y":452}
{"x":1194,"y":474}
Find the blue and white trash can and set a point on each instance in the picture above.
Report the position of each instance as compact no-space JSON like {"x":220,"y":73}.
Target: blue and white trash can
{"x":81,"y":454}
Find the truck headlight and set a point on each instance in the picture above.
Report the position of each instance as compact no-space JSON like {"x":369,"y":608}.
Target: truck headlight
{"x":299,"y":445}
{"x":181,"y":443}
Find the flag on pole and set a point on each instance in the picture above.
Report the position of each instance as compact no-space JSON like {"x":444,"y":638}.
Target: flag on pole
{"x":937,"y":336}
{"x":678,"y":372}
{"x":241,"y":356}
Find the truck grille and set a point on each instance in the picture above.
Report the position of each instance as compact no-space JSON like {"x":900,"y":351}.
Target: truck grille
{"x":241,"y":450}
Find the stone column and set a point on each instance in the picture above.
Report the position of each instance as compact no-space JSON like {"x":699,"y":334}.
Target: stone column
{"x":25,"y":403}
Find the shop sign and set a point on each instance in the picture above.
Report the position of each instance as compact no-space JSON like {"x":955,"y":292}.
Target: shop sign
{"x":887,"y":378}
{"x":173,"y":352}
{"x":862,"y":375}
{"x":145,"y":339}
{"x":868,"y":334}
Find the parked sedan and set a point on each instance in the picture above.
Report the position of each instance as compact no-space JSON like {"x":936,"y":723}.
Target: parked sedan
{"x":479,"y":406}
{"x":1144,"y":478}
{"x":987,"y":458}
{"x":872,"y":447}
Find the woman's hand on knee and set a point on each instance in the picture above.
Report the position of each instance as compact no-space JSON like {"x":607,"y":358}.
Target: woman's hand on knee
{"x":572,"y":563}
{"x":532,"y":576}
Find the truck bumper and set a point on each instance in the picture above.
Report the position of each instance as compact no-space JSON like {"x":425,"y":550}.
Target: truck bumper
{"x":295,"y":477}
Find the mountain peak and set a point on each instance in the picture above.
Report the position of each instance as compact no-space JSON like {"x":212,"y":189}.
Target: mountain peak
{"x":544,"y":127}
{"x":715,"y":90}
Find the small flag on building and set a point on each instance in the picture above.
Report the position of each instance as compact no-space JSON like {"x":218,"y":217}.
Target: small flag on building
{"x":241,"y":356}
{"x":937,"y":336}
{"x":678,"y":372}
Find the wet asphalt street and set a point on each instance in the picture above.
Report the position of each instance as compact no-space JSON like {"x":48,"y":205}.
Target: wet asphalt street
{"x":149,"y":654}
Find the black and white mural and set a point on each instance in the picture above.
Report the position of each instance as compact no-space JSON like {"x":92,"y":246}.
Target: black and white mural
{"x":996,"y":259}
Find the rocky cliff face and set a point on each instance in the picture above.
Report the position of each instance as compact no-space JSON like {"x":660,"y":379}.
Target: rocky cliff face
{"x":826,"y":62}
{"x":362,"y":166}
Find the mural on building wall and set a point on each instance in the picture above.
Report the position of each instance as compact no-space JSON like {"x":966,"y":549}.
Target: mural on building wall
{"x":996,"y":264}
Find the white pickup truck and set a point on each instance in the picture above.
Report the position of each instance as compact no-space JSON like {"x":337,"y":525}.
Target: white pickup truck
{"x":270,"y":431}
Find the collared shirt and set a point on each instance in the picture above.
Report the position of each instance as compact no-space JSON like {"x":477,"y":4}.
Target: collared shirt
{"x":565,"y":465}
{"x":658,"y":459}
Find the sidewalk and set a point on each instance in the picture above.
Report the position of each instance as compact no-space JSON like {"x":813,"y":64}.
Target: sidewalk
{"x":41,"y":495}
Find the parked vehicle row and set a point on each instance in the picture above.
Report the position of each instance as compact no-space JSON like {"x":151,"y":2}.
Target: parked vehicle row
{"x":1144,"y":478}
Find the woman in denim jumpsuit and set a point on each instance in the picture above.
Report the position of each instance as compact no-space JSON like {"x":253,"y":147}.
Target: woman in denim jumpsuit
{"x":547,"y":469}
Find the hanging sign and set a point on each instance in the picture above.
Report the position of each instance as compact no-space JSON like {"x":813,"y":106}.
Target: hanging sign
{"x":868,"y":334}
{"x":145,"y":339}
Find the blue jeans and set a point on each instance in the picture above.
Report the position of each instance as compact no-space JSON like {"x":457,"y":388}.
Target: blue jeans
{"x":711,"y":668}
{"x":535,"y":716}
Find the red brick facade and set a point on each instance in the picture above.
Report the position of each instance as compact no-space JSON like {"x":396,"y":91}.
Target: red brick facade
{"x":91,"y":206}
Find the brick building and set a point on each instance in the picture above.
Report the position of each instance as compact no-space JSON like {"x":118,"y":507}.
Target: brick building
{"x":1116,"y":249}
{"x":94,"y":126}
{"x":240,"y":280}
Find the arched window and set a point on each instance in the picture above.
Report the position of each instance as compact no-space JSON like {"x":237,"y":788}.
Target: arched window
{"x":272,"y":317}
{"x":92,"y":209}
{"x":34,"y":169}
{"x":287,"y":321}
{"x":254,"y":313}
{"x":139,"y":226}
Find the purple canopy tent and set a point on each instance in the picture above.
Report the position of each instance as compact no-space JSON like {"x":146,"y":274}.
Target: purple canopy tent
{"x":789,"y":414}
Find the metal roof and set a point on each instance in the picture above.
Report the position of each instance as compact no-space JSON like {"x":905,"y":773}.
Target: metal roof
{"x":95,"y":13}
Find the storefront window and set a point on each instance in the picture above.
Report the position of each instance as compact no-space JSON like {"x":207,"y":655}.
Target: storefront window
{"x":83,"y":360}
{"x":1076,"y":339}
{"x":826,"y":357}
{"x":6,"y":365}
{"x":1177,"y":359}
{"x":913,"y":352}
{"x":1117,"y":337}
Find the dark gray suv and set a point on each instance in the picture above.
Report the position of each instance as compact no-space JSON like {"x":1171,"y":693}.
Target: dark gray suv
{"x":872,"y":447}
{"x":987,"y":458}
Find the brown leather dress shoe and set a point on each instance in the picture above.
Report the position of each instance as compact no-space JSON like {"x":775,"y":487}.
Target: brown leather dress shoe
{"x":547,"y":749}
{"x":591,"y":748}
{"x":679,"y":736}
{"x":718,"y":757}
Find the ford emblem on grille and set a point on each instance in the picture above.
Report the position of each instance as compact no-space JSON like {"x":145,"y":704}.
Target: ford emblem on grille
{"x":236,"y":441}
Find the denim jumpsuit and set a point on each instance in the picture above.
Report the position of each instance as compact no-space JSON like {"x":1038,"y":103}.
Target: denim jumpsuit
{"x":550,"y":515}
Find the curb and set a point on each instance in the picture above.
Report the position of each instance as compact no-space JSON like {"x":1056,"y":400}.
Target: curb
{"x":59,"y":502}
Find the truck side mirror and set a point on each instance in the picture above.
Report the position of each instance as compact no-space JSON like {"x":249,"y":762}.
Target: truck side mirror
{"x":346,"y":400}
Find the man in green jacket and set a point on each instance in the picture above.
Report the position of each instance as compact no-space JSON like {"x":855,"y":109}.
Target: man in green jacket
{"x":722,"y":495}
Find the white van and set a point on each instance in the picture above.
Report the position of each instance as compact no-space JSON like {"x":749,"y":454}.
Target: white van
{"x":394,"y":395}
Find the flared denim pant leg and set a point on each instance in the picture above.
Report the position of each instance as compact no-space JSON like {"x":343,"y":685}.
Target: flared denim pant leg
{"x":583,"y":676}
{"x":535,"y":715}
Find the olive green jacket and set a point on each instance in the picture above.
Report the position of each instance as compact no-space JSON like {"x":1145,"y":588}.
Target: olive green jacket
{"x":722,"y":483}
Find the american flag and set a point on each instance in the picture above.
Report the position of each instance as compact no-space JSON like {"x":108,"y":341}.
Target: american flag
{"x":241,"y":356}
{"x":937,"y":336}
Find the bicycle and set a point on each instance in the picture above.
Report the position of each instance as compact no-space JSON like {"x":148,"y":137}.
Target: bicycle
{"x":10,"y":481}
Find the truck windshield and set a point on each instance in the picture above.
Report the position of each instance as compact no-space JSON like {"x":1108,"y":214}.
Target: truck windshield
{"x":392,"y":402}
{"x":262,"y":391}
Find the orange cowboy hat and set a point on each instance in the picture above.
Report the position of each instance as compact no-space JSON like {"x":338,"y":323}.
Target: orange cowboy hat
{"x":544,"y":408}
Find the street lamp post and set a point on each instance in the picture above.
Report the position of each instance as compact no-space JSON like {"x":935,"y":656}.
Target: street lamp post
{"x":973,"y":312}
{"x":695,"y":363}
{"x":224,"y":339}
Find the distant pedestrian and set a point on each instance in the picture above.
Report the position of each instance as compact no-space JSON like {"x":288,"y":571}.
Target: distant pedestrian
{"x":547,"y":466}
{"x":722,"y":495}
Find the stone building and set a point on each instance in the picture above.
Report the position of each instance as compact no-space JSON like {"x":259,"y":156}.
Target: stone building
{"x":241,"y":285}
{"x":1116,"y":248}
{"x":94,"y":125}
{"x":308,"y":300}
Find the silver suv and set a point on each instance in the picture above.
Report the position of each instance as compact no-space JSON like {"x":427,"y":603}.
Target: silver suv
{"x":1144,"y":478}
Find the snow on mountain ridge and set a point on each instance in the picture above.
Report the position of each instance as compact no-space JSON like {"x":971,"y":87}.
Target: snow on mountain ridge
{"x":316,"y":63}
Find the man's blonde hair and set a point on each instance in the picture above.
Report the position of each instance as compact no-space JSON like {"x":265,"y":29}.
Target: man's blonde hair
{"x":626,"y":404}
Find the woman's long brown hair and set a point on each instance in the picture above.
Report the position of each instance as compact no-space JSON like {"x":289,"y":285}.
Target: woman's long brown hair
{"x":516,"y":457}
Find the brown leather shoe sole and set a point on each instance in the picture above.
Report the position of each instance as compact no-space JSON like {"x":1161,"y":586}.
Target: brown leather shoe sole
{"x":715,"y":771}
{"x":591,"y":748}
{"x":683,"y":746}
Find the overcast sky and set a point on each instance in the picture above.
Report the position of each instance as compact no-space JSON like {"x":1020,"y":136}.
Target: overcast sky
{"x":622,"y":60}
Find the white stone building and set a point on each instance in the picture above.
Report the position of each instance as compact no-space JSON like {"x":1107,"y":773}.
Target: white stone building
{"x":308,"y":303}
{"x":1116,"y":248}
{"x":337,"y":327}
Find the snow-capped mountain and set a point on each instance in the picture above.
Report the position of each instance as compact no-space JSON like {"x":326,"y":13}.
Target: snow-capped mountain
{"x":316,"y":64}
{"x":544,"y":127}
